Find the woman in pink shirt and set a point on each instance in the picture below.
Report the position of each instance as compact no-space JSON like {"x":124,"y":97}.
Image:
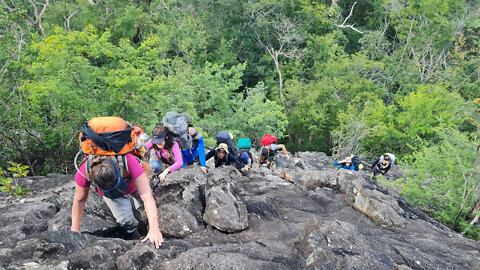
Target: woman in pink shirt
{"x":104,"y":173}
{"x":165,"y":152}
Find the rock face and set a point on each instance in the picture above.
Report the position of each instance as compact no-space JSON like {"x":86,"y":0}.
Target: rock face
{"x":225,"y":210}
{"x":301,"y":214}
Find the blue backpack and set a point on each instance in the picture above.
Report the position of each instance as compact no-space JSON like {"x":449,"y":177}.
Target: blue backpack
{"x":227,"y":138}
{"x":244,"y":144}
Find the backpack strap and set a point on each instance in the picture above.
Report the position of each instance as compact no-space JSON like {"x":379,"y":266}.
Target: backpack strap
{"x":123,"y":166}
{"x":270,"y":148}
{"x":158,"y":153}
{"x":88,"y":168}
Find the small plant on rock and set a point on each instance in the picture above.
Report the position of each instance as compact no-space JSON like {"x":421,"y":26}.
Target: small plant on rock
{"x":9,"y":184}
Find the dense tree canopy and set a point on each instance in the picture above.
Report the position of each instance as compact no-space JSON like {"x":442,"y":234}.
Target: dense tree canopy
{"x":337,"y":76}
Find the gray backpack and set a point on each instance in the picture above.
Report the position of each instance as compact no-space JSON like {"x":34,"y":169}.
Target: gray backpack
{"x":392,"y":158}
{"x":177,"y":125}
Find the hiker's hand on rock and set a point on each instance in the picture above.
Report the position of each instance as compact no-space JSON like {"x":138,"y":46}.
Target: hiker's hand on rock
{"x":155,"y":237}
{"x":163,"y":175}
{"x":288,"y":157}
{"x":204,"y":169}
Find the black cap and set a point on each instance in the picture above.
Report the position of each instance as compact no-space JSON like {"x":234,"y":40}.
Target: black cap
{"x":159,"y":138}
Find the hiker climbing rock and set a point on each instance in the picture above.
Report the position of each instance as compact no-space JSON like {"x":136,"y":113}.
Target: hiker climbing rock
{"x":227,"y":138}
{"x":197,"y":152}
{"x":244,"y":146}
{"x":165,"y":156}
{"x":117,"y":175}
{"x":353,"y":163}
{"x":223,"y":157}
{"x":269,"y":150}
{"x":346,"y":164}
{"x":245,"y":157}
{"x":382,"y":165}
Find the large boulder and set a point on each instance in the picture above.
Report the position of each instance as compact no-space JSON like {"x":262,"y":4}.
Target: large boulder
{"x":313,"y":161}
{"x":101,"y":255}
{"x":184,"y":187}
{"x":381,"y":208}
{"x":225,"y":210}
{"x":313,"y":179}
{"x":175,"y":221}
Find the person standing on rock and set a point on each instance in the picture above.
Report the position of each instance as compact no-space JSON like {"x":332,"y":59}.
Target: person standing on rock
{"x":345,"y":164}
{"x":117,"y":175}
{"x":382,"y":165}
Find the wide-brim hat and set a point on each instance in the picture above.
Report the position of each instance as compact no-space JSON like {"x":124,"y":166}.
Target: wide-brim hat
{"x":222,"y":146}
{"x":347,"y":160}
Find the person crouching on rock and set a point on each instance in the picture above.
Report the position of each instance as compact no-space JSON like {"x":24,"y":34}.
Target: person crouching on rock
{"x":345,"y":164}
{"x":165,"y":156}
{"x":222,"y":157}
{"x":245,"y":158}
{"x":269,"y":152}
{"x":117,"y":178}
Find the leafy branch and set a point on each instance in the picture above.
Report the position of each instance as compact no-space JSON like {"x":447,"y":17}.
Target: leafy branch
{"x":9,"y":184}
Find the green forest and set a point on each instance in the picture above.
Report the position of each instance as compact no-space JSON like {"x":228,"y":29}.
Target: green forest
{"x":337,"y":76}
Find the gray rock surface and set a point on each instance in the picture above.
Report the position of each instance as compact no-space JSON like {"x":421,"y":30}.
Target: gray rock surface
{"x":175,"y":221}
{"x":300,"y":214}
{"x":224,"y":210}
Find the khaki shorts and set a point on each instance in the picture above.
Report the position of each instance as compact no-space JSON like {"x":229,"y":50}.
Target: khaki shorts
{"x":122,"y":209}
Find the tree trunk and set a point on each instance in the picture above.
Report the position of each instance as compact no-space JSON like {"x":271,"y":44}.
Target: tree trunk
{"x":22,"y":152}
{"x":280,"y":81}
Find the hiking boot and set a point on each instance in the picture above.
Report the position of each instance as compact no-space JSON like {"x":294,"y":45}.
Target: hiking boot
{"x":129,"y":234}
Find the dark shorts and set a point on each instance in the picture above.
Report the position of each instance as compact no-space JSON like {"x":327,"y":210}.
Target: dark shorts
{"x":376,"y":171}
{"x":271,"y":157}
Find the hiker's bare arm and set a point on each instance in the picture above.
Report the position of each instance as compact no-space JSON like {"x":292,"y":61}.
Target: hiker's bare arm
{"x":79,"y":200}
{"x":259,"y":161}
{"x":284,"y":150}
{"x":143,"y":187}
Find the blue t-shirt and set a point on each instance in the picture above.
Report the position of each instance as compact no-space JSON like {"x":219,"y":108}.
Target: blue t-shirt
{"x":198,"y":150}
{"x":344,"y":166}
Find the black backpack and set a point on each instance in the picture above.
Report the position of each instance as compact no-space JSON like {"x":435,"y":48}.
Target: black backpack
{"x":356,"y":161}
{"x":225,"y":137}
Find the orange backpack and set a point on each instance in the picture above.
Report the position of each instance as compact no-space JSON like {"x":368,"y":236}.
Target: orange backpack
{"x":107,"y":127}
{"x":140,"y":148}
{"x":111,"y":136}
